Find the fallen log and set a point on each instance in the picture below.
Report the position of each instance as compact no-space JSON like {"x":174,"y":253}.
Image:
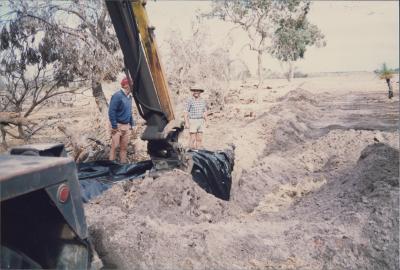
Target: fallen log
{"x":14,"y":118}
{"x":85,"y":149}
{"x":76,"y":147}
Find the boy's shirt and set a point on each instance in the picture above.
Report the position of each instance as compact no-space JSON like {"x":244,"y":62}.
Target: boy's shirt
{"x":196,"y":107}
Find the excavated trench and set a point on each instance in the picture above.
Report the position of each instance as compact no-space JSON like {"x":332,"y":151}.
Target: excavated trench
{"x":321,"y":195}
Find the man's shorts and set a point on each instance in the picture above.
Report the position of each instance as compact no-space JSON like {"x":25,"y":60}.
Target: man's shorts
{"x":196,"y":125}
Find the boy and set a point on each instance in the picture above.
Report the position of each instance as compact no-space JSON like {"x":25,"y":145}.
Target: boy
{"x":196,"y":117}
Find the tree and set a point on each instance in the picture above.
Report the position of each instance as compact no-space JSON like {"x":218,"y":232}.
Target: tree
{"x":72,"y":41}
{"x":254,"y":17}
{"x":32,"y":72}
{"x":386,"y":74}
{"x":89,"y":37}
{"x":294,"y":33}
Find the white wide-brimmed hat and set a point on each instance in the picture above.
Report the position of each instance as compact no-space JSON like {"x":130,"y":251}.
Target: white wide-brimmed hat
{"x":196,"y":88}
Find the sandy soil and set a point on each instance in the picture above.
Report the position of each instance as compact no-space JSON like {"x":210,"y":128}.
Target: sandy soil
{"x":316,"y":186}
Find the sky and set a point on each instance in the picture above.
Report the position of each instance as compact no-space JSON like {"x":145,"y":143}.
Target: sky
{"x":360,"y":35}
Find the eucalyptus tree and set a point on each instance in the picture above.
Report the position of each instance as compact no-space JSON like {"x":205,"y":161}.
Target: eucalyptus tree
{"x":255,"y":18}
{"x":294,"y":33}
{"x":88,"y":37}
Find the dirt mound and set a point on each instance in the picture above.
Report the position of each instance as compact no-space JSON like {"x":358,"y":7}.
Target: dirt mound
{"x":173,"y":198}
{"x":361,"y":208}
{"x":292,"y":119}
{"x":351,"y":223}
{"x":299,"y":95}
{"x":134,"y":222}
{"x":280,"y":178}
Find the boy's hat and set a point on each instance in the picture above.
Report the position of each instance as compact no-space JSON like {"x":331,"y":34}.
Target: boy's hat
{"x":197,"y":88}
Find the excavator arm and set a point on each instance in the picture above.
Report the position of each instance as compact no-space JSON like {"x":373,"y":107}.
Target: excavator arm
{"x":211,"y":170}
{"x":149,"y":86}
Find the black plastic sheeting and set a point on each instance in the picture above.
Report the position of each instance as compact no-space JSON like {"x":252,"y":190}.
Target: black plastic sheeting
{"x":211,"y":171}
{"x":97,"y":176}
